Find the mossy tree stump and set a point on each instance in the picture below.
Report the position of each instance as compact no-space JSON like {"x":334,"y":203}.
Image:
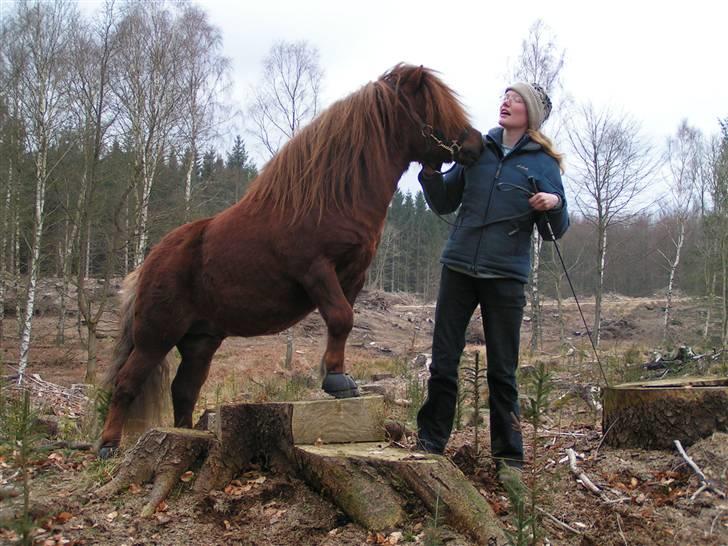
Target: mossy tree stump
{"x":652,"y":414}
{"x":337,"y":446}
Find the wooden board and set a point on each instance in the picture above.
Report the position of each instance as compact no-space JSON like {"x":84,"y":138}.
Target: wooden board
{"x":338,"y":421}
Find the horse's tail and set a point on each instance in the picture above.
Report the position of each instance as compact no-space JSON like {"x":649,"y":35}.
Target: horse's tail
{"x":151,"y":404}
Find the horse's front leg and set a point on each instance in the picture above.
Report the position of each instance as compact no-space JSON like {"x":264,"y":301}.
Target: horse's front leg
{"x":324,"y":289}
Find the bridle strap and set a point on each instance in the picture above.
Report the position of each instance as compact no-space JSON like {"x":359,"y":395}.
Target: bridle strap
{"x":427,"y":131}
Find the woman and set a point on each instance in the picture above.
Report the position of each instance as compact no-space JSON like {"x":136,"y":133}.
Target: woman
{"x":515,"y":183}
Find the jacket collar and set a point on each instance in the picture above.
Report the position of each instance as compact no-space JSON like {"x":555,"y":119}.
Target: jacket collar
{"x":495,"y":136}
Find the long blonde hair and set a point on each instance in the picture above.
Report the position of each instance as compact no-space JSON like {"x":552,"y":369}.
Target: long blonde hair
{"x":548,"y":146}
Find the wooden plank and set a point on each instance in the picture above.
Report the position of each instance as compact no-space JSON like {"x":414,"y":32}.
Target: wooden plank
{"x":338,"y":421}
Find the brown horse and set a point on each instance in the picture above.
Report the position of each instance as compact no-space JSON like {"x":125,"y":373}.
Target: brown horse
{"x":301,"y":238}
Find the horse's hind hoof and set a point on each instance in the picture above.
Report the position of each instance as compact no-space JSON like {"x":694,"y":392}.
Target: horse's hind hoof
{"x":340,"y":385}
{"x":106,"y":452}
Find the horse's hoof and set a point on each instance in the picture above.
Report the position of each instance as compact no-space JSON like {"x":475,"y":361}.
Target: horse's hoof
{"x":340,"y":385}
{"x":106,"y":452}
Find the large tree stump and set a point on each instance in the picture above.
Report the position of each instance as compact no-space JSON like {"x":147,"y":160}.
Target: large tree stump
{"x":369,"y":481}
{"x":652,"y":414}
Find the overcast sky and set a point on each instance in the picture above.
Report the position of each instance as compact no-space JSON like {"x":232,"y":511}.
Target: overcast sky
{"x":658,"y":61}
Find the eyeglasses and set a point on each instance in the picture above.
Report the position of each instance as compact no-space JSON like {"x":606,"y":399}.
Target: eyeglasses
{"x":512,"y":98}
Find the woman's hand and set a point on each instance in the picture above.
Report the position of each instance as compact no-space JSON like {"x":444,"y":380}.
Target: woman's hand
{"x":543,"y":201}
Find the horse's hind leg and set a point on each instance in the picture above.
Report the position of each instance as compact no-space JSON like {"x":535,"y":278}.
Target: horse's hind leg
{"x":197,"y":351}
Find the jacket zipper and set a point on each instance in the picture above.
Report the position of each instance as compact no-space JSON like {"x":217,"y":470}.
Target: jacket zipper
{"x":485,"y":216}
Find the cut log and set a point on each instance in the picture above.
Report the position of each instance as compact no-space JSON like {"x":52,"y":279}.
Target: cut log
{"x":372,"y":484}
{"x":651,"y":415}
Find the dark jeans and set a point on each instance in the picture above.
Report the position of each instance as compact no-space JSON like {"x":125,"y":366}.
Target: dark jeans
{"x":501,"y":304}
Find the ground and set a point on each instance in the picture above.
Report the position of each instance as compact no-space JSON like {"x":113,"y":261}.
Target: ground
{"x":647,"y":495}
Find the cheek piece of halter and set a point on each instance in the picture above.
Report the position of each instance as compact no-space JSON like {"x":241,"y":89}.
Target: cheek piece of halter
{"x":434,"y":138}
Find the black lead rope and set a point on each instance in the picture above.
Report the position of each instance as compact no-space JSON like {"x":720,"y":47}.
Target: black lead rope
{"x":578,"y":305}
{"x":507,"y":186}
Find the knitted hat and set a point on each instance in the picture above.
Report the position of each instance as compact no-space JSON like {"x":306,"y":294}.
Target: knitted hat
{"x":538,"y":103}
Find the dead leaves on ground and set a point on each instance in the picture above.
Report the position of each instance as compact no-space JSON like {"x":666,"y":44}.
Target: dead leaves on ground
{"x":664,"y":488}
{"x":237,"y":488}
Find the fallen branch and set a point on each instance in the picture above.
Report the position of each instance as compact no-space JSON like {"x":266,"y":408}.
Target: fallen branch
{"x":580,"y":476}
{"x":63,"y":444}
{"x":558,"y":522}
{"x":705,"y":483}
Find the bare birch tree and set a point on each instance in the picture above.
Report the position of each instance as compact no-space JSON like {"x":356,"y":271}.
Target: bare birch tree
{"x":145,"y":85}
{"x":708,"y":244}
{"x":203,"y":70}
{"x":287,"y":96}
{"x":93,"y":51}
{"x":284,"y":101}
{"x":683,"y":161}
{"x":10,"y":158}
{"x":540,"y":61}
{"x":719,"y":192}
{"x":613,"y":165}
{"x":39,"y":37}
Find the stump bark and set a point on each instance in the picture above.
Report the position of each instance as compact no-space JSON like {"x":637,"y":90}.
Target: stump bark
{"x":162,"y":455}
{"x":651,"y":415}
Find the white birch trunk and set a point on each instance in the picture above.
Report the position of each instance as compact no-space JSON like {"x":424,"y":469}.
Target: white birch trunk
{"x":724,"y":254}
{"x":188,"y":186}
{"x":709,"y":306}
{"x":671,"y":278}
{"x":87,"y":261}
{"x":66,"y":255}
{"x":600,"y":286}
{"x":27,"y":324}
{"x":142,"y":222}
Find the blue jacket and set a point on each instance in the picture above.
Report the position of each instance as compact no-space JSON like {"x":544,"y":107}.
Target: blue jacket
{"x":493,"y":227}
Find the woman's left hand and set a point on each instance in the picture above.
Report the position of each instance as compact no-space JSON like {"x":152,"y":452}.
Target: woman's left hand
{"x":543,"y":201}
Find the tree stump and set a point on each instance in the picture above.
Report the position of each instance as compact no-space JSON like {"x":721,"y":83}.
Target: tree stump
{"x":652,"y":414}
{"x":266,"y":433}
{"x":337,"y":446}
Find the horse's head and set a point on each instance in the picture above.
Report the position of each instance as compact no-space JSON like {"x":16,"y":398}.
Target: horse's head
{"x":440,"y":129}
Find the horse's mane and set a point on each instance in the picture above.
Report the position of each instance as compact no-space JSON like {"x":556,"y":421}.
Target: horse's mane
{"x":330,"y":161}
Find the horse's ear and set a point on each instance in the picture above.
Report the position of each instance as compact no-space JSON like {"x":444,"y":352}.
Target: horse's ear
{"x":419,"y":77}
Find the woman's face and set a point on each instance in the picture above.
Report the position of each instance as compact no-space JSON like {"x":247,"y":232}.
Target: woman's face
{"x":513,"y":113}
